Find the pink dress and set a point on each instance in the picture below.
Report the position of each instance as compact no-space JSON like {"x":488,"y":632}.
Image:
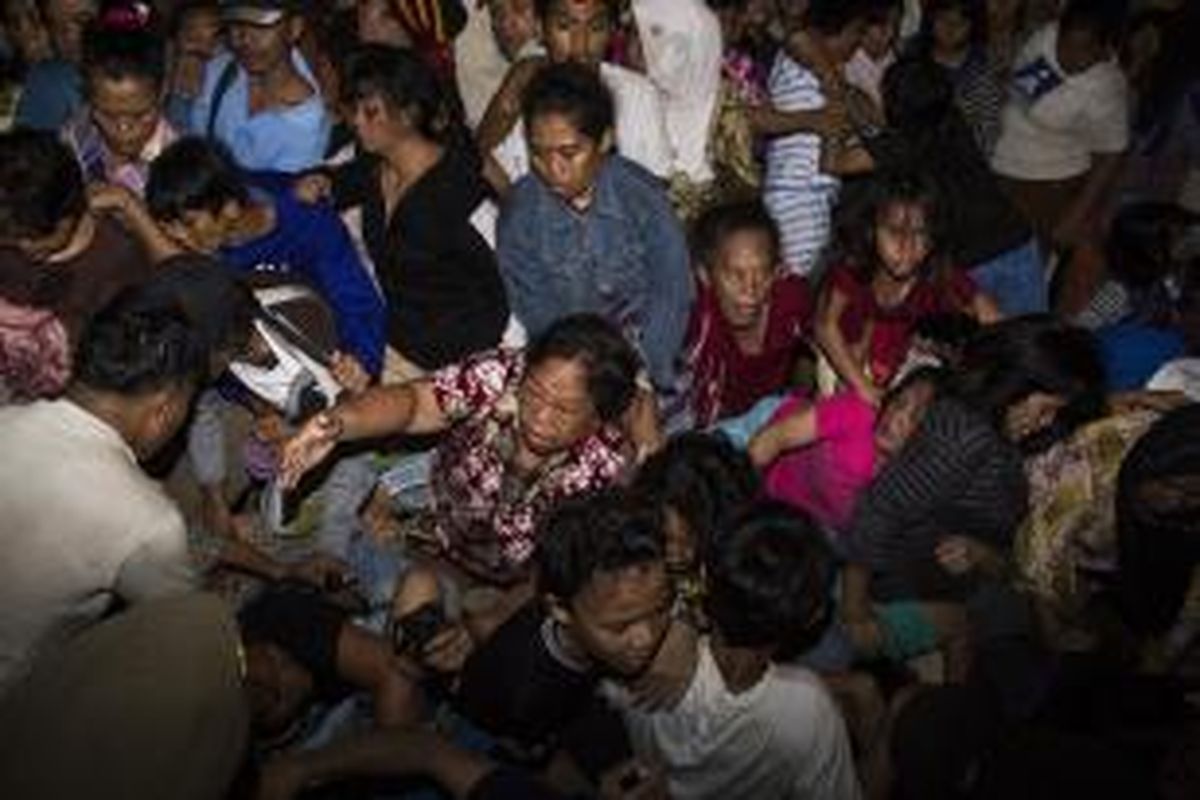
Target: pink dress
{"x":826,"y":477}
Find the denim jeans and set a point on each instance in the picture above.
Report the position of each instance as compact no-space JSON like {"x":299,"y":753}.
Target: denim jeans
{"x":1016,"y":280}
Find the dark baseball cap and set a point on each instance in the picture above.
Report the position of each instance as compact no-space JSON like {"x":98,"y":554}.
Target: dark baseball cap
{"x":259,"y":12}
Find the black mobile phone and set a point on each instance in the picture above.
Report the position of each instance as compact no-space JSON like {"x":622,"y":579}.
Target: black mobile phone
{"x":411,"y":632}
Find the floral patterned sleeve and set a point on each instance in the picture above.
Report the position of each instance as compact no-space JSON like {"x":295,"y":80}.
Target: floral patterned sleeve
{"x":474,"y":385}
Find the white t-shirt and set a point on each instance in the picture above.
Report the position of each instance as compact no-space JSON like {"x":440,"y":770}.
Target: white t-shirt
{"x":681,"y":41}
{"x":80,"y":524}
{"x":641,"y":128}
{"x":865,"y":73}
{"x":1054,"y":122}
{"x":783,"y":738}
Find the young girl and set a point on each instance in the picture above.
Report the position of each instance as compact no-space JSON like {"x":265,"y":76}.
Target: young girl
{"x":820,"y":456}
{"x":896,"y":275}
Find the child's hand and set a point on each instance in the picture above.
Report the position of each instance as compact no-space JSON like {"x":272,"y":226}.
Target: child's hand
{"x":312,"y":188}
{"x":349,"y":374}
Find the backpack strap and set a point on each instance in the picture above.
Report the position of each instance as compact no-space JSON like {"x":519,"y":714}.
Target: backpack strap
{"x":224,"y":82}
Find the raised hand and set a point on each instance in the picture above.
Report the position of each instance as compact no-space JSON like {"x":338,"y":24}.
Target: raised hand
{"x":308,"y":447}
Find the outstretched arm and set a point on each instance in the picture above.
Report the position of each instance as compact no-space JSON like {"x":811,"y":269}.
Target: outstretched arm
{"x":379,"y":411}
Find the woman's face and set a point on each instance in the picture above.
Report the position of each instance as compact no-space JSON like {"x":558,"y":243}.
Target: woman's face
{"x":899,"y":419}
{"x":742,"y":278}
{"x":372,"y":122}
{"x":1032,"y":415}
{"x":126,"y":110}
{"x":902,"y":239}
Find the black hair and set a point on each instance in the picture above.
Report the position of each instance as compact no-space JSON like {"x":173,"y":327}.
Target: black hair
{"x":603,"y":531}
{"x":1158,"y":532}
{"x":543,"y":8}
{"x":1104,"y":19}
{"x":880,"y":11}
{"x":1138,"y":250}
{"x":41,"y":184}
{"x":974,"y":10}
{"x":407,"y":84}
{"x":768,"y":580}
{"x":703,"y":478}
{"x":831,"y":17}
{"x":135,"y":347}
{"x":574,"y":91}
{"x":116,"y":55}
{"x":609,"y":360}
{"x":219,"y":306}
{"x":186,"y":8}
{"x":1015,"y":358}
{"x":936,"y":377}
{"x":888,"y":188}
{"x":193,"y":174}
{"x":718,"y":223}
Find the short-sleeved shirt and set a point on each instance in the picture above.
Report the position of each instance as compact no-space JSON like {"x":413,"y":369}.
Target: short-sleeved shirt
{"x":286,"y":139}
{"x":893,"y":327}
{"x":80,"y":525}
{"x":1054,"y":122}
{"x":725,"y":381}
{"x":781,"y":738}
{"x":488,"y":514}
{"x":826,"y":477}
{"x":798,"y":194}
{"x":77,"y":288}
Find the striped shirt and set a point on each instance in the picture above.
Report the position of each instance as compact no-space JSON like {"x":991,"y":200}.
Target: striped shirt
{"x":956,"y":477}
{"x":797,"y":194}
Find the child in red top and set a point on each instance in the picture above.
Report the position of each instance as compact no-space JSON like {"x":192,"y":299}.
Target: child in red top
{"x":898,"y":274}
{"x":750,"y":320}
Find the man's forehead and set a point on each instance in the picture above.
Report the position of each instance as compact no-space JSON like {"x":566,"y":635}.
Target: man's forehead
{"x":626,"y":592}
{"x":578,"y":9}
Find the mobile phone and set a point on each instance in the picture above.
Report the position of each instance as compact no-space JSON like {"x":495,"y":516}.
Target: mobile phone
{"x":411,"y":632}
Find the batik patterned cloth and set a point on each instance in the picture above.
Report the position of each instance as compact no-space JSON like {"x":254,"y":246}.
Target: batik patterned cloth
{"x":487,"y":514}
{"x":1072,"y":520}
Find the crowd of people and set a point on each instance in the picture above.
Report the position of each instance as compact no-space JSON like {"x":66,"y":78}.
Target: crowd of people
{"x":599,"y":398}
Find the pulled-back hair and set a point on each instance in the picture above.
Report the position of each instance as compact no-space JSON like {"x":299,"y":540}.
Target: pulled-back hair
{"x":718,"y":223}
{"x":407,"y":84}
{"x":603,"y":531}
{"x":574,"y":91}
